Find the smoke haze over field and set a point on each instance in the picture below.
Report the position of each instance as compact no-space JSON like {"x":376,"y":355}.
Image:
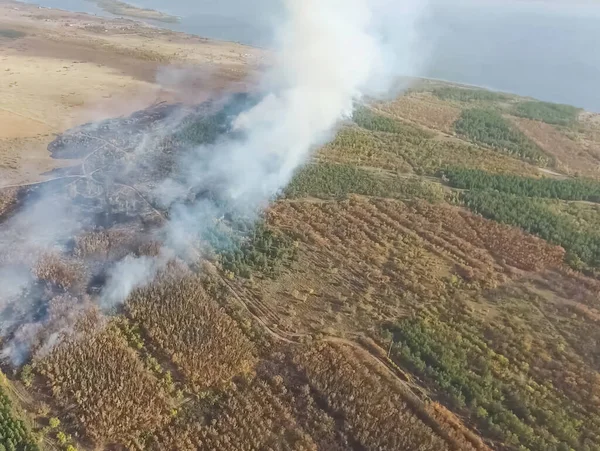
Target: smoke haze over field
{"x":328,"y":54}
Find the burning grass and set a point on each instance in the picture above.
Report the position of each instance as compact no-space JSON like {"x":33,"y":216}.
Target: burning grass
{"x":8,"y":198}
{"x":114,"y":244}
{"x":65,"y":273}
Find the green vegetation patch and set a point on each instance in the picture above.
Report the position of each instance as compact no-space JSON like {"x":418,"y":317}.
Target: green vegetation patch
{"x":14,"y":435}
{"x":368,"y":119}
{"x":264,"y":251}
{"x":569,"y":189}
{"x":244,"y":249}
{"x":327,"y":180}
{"x":202,"y":129}
{"x":551,"y":113}
{"x":585,"y":215}
{"x":537,"y":217}
{"x":411,"y":149}
{"x":488,"y":127}
{"x":11,"y":34}
{"x":497,"y":393}
{"x":469,"y":95}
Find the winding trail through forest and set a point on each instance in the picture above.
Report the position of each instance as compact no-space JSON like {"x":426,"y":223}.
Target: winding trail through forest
{"x":414,"y":394}
{"x":377,"y":355}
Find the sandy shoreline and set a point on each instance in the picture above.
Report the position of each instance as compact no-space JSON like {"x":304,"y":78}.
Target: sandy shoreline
{"x":120,"y":8}
{"x":59,"y":69}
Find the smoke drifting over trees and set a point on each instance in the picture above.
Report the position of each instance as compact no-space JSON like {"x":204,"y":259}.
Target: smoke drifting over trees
{"x":327,"y":56}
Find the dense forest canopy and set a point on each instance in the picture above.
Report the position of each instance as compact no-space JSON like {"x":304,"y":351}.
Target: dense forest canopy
{"x":488,"y":127}
{"x":564,"y":189}
{"x":551,"y":113}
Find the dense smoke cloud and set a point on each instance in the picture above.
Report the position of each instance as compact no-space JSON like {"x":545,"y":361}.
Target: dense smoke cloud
{"x":328,"y":54}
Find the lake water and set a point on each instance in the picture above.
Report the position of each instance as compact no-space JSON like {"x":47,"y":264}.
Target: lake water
{"x":546,"y":50}
{"x":539,"y":50}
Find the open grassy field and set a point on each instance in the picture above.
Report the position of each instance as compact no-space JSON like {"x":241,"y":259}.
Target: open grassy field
{"x":64,"y":69}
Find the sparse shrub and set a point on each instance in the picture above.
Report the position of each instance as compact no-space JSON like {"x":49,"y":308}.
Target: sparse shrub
{"x":54,"y":422}
{"x":27,"y":375}
{"x":62,"y":438}
{"x":366,"y":118}
{"x":9,"y":33}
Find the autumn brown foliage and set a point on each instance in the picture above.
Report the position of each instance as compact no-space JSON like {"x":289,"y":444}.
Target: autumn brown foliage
{"x":570,"y":155}
{"x":59,"y":270}
{"x":114,"y":244}
{"x":198,"y":336}
{"x":102,"y":386}
{"x":376,"y":414}
{"x":253,"y":415}
{"x":423,"y":109}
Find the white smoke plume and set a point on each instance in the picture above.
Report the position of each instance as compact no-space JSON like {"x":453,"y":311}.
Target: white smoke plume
{"x":328,"y":55}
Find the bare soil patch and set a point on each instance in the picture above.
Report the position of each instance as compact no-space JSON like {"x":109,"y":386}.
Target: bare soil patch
{"x":571,"y":156}
{"x":423,"y":109}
